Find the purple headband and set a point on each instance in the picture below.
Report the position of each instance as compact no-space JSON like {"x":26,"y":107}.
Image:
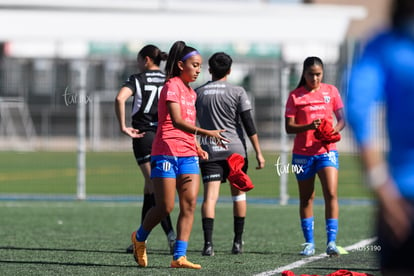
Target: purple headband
{"x":190,"y":54}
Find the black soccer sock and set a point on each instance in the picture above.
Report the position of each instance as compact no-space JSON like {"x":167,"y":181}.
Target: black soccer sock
{"x":148,"y":203}
{"x":208,"y":225}
{"x":167,"y":225}
{"x":238,"y":229}
{"x":165,"y":222}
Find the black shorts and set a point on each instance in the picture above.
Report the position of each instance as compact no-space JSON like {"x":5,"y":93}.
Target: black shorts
{"x":142,"y":147}
{"x":218,"y":170}
{"x":395,"y":256}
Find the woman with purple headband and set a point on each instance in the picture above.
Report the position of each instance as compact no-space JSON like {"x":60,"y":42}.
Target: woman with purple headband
{"x":175,"y":154}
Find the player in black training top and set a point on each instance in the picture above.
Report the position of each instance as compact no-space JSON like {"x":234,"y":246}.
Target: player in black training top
{"x":145,"y":88}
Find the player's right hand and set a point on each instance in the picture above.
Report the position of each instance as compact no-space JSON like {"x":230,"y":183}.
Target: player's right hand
{"x":133,"y":133}
{"x":316,"y":123}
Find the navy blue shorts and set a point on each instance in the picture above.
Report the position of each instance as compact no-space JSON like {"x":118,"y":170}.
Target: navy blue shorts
{"x":393,"y":255}
{"x":142,"y":147}
{"x":218,"y":170}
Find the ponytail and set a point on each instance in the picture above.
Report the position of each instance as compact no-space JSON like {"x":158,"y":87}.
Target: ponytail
{"x":178,"y":52}
{"x":154,"y":53}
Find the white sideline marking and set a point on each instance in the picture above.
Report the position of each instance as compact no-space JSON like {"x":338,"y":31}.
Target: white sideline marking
{"x":315,"y":258}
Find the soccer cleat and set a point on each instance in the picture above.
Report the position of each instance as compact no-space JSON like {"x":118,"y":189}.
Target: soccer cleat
{"x":332,"y":250}
{"x":237,"y":248}
{"x":208,"y":249}
{"x":139,"y":250}
{"x":130,"y":249}
{"x":182,"y":262}
{"x":308,"y":249}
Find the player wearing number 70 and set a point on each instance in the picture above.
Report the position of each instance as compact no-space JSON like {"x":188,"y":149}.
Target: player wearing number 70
{"x":145,"y":88}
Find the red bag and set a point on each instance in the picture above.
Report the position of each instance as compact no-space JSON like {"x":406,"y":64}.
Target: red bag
{"x":237,"y":177}
{"x":341,"y":272}
{"x":344,"y":272}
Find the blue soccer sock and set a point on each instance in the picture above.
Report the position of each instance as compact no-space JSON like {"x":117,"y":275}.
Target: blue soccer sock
{"x":307,"y":229}
{"x":331,"y":229}
{"x":180,"y":249}
{"x":142,"y":234}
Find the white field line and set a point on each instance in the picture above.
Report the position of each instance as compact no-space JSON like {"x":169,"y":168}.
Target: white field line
{"x":302,"y":262}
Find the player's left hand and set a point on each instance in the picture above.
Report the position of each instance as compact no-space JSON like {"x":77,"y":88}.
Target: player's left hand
{"x":260,"y":161}
{"x":395,"y":212}
{"x":202,"y":154}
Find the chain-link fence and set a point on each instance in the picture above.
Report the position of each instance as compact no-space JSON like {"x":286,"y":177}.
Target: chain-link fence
{"x":47,"y":90}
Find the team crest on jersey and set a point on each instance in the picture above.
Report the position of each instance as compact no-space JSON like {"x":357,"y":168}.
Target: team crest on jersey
{"x":327,"y":99}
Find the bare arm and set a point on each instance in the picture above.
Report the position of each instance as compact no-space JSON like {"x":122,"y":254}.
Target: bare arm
{"x":292,"y":127}
{"x":178,"y":122}
{"x":340,"y":118}
{"x":254,"y":139}
{"x":394,"y":209}
{"x":120,"y":100}
{"x":250,"y":128}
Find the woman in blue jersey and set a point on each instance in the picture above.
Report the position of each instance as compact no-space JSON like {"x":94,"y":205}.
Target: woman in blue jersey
{"x":144,"y":87}
{"x":385,"y":73}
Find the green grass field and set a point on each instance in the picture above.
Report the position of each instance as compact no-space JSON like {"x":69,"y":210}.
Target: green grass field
{"x":116,"y":173}
{"x":70,"y":237}
{"x":89,"y":238}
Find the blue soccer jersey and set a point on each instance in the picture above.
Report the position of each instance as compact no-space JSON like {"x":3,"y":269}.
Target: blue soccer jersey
{"x":385,"y":73}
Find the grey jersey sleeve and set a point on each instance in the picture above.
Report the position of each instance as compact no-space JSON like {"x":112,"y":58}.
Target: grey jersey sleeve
{"x":244,"y":103}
